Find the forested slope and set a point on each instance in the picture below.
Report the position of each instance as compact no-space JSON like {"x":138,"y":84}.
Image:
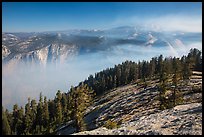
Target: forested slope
{"x":112,"y":97}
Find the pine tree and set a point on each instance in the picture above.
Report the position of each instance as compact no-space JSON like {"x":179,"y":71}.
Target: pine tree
{"x":118,"y":75}
{"x":70,"y":106}
{"x":45,"y":114}
{"x":152,"y":67}
{"x":132,"y":74}
{"x":198,"y":61}
{"x":20,"y":126}
{"x":52,"y":114}
{"x":28,"y":120}
{"x":144,"y":70}
{"x":64,"y":107}
{"x":103,"y":84}
{"x":126,"y":73}
{"x":6,"y":130}
{"x":58,"y":96}
{"x":58,"y":113}
{"x":115,"y":82}
{"x":175,"y":79}
{"x":167,"y":65}
{"x":9,"y":118}
{"x":58,"y":104}
{"x":136,"y":72}
{"x":52,"y":110}
{"x":15,"y":119}
{"x":39,"y":116}
{"x":160,"y":64}
{"x":80,"y":100}
{"x":187,"y":70}
{"x":33,"y":116}
{"x":176,"y":71}
{"x":163,"y":82}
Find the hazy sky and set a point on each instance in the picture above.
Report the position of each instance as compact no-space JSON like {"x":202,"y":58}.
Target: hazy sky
{"x":48,"y":16}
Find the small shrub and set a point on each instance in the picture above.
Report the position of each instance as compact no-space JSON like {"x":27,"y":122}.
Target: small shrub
{"x":111,"y":124}
{"x":162,"y":107}
{"x":179,"y":101}
{"x":196,"y":89}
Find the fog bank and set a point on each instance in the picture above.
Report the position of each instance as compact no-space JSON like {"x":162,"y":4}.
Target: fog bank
{"x":20,"y":81}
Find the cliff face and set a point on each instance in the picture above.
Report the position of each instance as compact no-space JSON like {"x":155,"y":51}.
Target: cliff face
{"x":36,"y":48}
{"x":5,"y":51}
{"x":51,"y":53}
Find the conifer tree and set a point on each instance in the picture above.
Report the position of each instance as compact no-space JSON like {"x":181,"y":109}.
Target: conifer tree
{"x":58,"y":113}
{"x":9,"y":118}
{"x":176,"y":71}
{"x":39,"y":116}
{"x":6,"y":130}
{"x":52,"y":110}
{"x":162,"y":84}
{"x":186,"y":68}
{"x":118,"y":75}
{"x":58,"y":96}
{"x":152,"y":67}
{"x":80,"y":100}
{"x":20,"y":126}
{"x":45,"y":114}
{"x":64,"y":107}
{"x":33,"y":116}
{"x":15,"y":119}
{"x":28,"y":120}
{"x":115,"y":82}
{"x":160,"y":64}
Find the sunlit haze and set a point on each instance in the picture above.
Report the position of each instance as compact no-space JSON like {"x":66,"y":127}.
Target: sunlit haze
{"x":116,"y":31}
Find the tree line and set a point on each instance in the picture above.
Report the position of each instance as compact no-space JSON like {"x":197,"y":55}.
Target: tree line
{"x":45,"y":116}
{"x":157,"y":67}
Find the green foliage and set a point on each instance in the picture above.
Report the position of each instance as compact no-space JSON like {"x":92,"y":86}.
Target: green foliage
{"x":179,"y":100}
{"x":15,"y":118}
{"x":39,"y":115}
{"x":64,"y":103}
{"x":28,"y":120}
{"x":33,"y":115}
{"x":129,"y":71}
{"x":111,"y":124}
{"x":171,"y":100}
{"x":45,"y":114}
{"x":20,"y":122}
{"x":58,"y":95}
{"x":6,"y":130}
{"x":81,"y":97}
{"x":58,"y":113}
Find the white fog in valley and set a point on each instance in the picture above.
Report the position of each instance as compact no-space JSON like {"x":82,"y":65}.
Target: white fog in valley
{"x":20,"y":81}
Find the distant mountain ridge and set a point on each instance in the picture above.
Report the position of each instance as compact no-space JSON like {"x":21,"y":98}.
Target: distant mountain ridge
{"x":58,"y":46}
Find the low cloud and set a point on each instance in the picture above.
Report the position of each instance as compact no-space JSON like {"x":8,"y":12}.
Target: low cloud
{"x":164,"y":23}
{"x":22,"y":81}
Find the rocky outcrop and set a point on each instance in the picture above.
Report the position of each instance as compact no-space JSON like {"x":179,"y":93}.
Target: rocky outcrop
{"x":5,"y":51}
{"x":55,"y":53}
{"x":37,"y":48}
{"x":180,"y":120}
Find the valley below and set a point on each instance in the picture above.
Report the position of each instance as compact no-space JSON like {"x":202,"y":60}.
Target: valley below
{"x":50,"y":61}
